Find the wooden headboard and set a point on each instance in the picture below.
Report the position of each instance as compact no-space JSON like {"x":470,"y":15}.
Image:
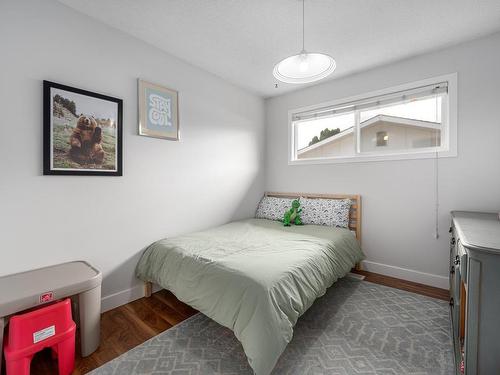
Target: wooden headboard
{"x":354,"y":214}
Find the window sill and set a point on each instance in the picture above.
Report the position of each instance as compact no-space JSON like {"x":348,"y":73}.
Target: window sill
{"x":372,"y":158}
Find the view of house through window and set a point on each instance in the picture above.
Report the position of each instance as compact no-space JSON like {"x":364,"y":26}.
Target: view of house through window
{"x":400,"y":123}
{"x":405,"y":126}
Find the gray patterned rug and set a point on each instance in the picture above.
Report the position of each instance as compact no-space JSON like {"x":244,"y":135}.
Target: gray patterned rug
{"x":356,"y":328}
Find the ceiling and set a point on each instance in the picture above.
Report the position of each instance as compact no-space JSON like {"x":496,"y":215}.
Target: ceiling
{"x":241,"y":40}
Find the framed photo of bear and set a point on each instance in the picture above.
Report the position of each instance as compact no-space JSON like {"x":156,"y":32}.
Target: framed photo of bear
{"x":82,"y":132}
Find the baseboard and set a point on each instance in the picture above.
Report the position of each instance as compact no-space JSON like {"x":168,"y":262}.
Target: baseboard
{"x":156,"y":288}
{"x":121,"y":298}
{"x":406,"y":274}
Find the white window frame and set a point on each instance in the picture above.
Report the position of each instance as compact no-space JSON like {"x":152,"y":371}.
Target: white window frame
{"x":449,"y":134}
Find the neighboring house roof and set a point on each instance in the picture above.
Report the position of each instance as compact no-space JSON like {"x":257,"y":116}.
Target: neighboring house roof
{"x":373,"y":121}
{"x":400,"y":121}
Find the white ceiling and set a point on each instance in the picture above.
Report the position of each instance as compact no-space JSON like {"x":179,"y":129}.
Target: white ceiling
{"x":241,"y":40}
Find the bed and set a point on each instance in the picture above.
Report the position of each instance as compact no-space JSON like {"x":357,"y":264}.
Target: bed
{"x":256,"y":276}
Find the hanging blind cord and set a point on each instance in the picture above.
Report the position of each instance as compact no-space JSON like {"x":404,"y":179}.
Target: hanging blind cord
{"x":436,"y":177}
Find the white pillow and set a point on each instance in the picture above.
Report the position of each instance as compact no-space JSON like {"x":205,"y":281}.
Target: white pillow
{"x":273,"y":208}
{"x":331,"y":212}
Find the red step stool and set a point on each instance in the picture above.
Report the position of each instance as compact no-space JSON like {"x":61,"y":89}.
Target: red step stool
{"x":29,"y":333}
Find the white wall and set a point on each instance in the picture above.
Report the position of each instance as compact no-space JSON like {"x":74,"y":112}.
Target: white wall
{"x":214,"y":174}
{"x":398,"y":196}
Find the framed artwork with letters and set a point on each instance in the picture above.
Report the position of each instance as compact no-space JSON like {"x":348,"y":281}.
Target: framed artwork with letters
{"x":158,"y":111}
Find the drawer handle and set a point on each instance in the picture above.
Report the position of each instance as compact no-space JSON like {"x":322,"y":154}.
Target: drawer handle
{"x":457,"y":260}
{"x":450,"y":230}
{"x":452,"y":270}
{"x":453,"y":241}
{"x":452,"y":302}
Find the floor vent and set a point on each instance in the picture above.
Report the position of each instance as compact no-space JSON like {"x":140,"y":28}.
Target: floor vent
{"x":355,"y":276}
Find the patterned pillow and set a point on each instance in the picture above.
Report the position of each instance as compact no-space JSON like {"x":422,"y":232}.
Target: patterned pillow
{"x":273,"y":208}
{"x":331,"y":212}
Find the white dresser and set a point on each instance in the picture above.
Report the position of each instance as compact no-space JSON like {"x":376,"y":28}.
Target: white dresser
{"x":475,"y":291}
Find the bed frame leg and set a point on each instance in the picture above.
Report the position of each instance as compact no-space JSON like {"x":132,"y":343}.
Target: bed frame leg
{"x":148,"y":289}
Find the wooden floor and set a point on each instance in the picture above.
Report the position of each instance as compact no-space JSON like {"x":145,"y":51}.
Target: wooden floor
{"x":129,"y":325}
{"x":410,"y":286}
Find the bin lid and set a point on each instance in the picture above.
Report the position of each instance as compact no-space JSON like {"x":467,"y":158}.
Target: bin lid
{"x":24,"y":290}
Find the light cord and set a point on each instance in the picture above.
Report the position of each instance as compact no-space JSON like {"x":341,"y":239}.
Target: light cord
{"x":303,"y":25}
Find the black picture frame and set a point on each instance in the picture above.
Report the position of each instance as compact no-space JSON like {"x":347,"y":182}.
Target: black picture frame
{"x":48,"y":168}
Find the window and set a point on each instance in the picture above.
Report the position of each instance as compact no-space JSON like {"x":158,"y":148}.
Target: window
{"x":382,"y":139}
{"x":411,"y":121}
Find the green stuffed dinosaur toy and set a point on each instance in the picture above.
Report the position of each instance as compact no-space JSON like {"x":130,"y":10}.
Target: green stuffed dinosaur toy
{"x":293,"y":214}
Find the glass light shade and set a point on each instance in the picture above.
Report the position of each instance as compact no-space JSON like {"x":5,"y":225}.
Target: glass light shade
{"x":304,"y":68}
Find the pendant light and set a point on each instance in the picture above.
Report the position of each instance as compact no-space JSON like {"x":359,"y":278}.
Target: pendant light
{"x":304,"y":67}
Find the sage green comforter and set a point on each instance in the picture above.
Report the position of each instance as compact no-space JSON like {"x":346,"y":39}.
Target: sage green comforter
{"x":254,"y":276}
